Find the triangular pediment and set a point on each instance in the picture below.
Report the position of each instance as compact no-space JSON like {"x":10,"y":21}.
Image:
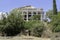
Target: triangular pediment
{"x":29,"y":6}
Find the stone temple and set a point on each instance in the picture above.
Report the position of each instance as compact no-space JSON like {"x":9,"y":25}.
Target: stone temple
{"x":28,"y":11}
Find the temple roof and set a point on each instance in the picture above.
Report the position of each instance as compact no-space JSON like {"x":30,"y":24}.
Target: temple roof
{"x":29,"y":6}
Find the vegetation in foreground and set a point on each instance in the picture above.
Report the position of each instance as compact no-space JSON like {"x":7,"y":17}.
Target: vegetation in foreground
{"x":14,"y":24}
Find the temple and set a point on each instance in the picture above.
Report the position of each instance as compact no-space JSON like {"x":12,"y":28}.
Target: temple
{"x":28,"y":11}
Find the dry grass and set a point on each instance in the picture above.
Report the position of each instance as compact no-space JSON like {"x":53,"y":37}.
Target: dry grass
{"x":23,"y":38}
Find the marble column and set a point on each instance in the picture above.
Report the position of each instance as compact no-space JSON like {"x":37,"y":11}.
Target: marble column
{"x":36,"y":12}
{"x":27,"y":16}
{"x":32,"y":14}
{"x":41,"y":15}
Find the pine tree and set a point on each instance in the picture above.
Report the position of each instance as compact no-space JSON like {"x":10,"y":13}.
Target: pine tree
{"x":54,"y":7}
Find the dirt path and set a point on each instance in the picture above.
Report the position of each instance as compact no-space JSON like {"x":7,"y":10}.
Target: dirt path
{"x":23,"y":38}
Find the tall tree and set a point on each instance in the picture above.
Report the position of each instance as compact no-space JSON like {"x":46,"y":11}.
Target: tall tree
{"x":54,"y":7}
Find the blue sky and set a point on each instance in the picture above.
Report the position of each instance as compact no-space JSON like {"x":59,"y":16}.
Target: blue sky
{"x":7,"y":5}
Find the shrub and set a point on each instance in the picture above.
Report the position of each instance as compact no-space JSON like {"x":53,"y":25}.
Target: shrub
{"x":13,"y":24}
{"x":38,"y":30}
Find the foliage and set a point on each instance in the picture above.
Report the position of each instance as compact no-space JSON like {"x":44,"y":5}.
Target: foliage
{"x":56,"y":23}
{"x":36,"y":27}
{"x":54,"y":7}
{"x":36,"y":17}
{"x":38,"y":30}
{"x":13,"y":24}
{"x":49,"y":13}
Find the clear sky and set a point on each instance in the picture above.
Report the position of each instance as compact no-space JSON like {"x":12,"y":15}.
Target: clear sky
{"x":7,"y":5}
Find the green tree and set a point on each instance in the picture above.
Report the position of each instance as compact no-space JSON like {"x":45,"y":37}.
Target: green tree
{"x":36,"y":27}
{"x":36,"y":17}
{"x":54,"y":7}
{"x":3,"y":22}
{"x":56,"y":23}
{"x":13,"y":24}
{"x":49,"y":13}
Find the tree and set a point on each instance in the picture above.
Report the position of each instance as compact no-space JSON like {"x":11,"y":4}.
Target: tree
{"x":49,"y":13}
{"x":54,"y":7}
{"x":3,"y":22}
{"x":36,"y":17}
{"x":13,"y":24}
{"x":36,"y":27}
{"x":56,"y":23}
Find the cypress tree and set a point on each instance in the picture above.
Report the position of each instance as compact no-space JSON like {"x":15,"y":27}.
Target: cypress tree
{"x":54,"y":7}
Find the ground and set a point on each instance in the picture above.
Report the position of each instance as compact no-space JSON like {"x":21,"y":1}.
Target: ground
{"x":23,"y":38}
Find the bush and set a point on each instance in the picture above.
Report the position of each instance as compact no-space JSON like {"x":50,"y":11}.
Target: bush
{"x":13,"y":24}
{"x":57,"y":29}
{"x":55,"y":23}
{"x":38,"y":30}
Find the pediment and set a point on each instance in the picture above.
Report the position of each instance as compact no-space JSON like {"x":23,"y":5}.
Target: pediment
{"x":28,"y":7}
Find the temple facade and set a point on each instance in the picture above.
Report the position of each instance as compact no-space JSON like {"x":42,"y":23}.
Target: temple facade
{"x":29,"y":11}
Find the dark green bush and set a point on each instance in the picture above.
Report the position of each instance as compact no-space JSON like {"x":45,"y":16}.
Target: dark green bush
{"x":38,"y":30}
{"x":13,"y":24}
